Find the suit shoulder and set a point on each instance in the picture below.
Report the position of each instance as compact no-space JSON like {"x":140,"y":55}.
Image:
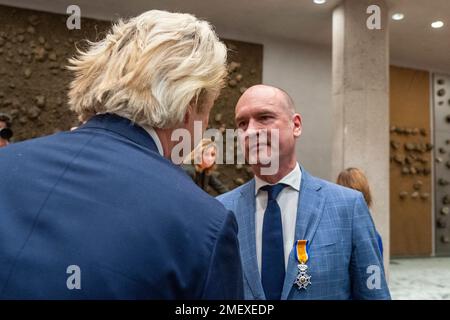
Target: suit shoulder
{"x":190,"y":195}
{"x":234,"y":194}
{"x":189,"y":169}
{"x":338,"y":192}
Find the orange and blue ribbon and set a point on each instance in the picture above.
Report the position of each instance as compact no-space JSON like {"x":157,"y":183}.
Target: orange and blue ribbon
{"x":302,"y":251}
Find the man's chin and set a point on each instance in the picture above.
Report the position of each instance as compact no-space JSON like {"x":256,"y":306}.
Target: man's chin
{"x":260,"y":161}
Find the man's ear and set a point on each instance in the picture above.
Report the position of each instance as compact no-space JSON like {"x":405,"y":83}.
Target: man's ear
{"x":297,"y":121}
{"x":188,"y":114}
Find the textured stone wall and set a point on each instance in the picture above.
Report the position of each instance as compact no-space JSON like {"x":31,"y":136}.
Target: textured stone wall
{"x":34,"y":48}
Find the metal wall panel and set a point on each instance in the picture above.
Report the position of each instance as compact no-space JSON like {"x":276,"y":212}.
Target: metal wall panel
{"x":441,"y":107}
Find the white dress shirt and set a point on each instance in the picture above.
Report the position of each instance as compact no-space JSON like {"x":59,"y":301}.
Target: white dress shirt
{"x":288,"y":202}
{"x":155,"y":138}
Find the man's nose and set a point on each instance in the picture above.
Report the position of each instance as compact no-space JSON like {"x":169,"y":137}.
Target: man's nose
{"x":252,"y":134}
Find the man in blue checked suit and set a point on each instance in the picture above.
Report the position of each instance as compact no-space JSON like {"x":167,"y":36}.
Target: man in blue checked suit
{"x":341,"y":258}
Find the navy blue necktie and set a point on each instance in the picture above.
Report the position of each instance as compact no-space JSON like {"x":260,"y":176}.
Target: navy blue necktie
{"x":272,"y":258}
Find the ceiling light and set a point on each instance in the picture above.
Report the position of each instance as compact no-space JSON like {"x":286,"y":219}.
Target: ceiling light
{"x":437,"y":24}
{"x":398,"y":16}
{"x":319,"y":1}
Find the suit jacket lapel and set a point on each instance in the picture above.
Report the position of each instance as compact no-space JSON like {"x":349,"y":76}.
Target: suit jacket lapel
{"x":309,"y":212}
{"x":246,"y":209}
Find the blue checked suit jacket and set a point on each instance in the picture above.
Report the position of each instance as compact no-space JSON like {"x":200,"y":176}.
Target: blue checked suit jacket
{"x":342,"y":237}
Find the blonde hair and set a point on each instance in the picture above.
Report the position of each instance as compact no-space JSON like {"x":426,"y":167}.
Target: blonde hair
{"x":196,"y":155}
{"x":355,"y":179}
{"x":149,"y":69}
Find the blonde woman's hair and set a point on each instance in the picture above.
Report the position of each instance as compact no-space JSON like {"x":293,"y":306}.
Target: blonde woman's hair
{"x":149,"y":69}
{"x":196,"y":155}
{"x":355,"y":179}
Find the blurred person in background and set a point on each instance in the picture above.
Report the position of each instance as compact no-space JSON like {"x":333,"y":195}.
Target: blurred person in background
{"x":355,"y":179}
{"x":200,"y":164}
{"x":5,"y":129}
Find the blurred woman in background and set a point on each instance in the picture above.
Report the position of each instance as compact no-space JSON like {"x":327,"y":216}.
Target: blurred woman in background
{"x":200,"y":164}
{"x":354,"y":178}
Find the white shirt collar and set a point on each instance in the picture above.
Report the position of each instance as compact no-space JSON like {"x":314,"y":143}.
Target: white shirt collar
{"x":292,"y":179}
{"x":155,"y":138}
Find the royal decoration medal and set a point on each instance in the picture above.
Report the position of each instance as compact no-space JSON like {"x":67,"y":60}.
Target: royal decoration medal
{"x":303,"y":280}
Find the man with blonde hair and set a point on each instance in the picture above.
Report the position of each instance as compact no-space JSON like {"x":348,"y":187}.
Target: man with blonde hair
{"x":101,"y":212}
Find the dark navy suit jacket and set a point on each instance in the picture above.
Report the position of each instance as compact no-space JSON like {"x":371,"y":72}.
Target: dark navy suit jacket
{"x":103,"y":199}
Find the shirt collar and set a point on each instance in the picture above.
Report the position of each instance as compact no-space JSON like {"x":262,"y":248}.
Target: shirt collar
{"x":292,"y":179}
{"x":155,"y":138}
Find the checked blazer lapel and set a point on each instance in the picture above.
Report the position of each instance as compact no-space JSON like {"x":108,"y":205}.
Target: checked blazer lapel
{"x":247,"y":238}
{"x":309,"y":212}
